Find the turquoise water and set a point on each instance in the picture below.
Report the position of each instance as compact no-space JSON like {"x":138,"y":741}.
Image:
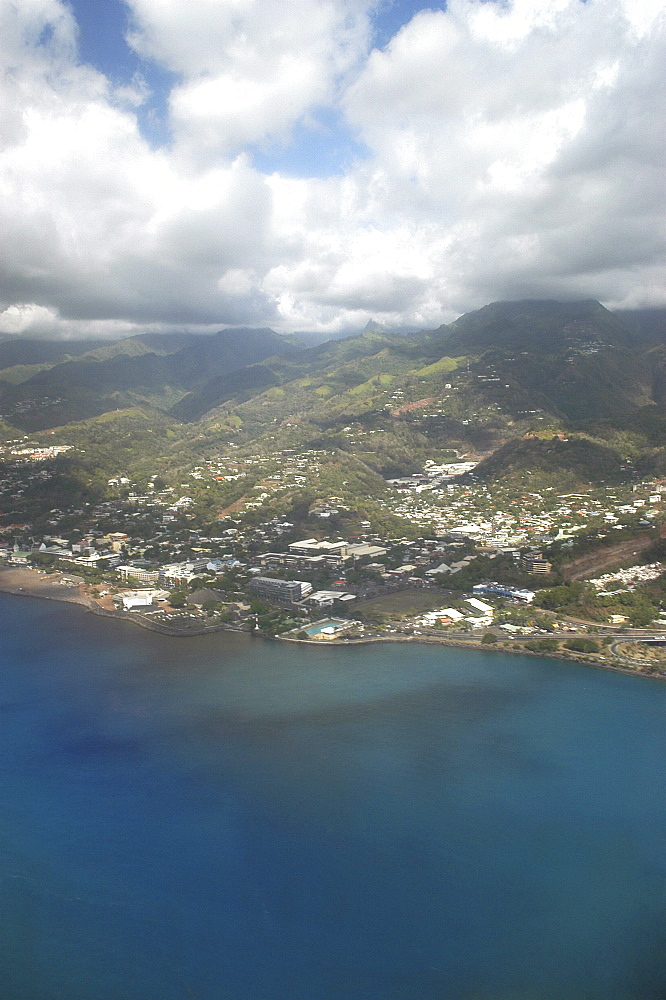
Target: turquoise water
{"x":318,"y":626}
{"x":225,"y":817}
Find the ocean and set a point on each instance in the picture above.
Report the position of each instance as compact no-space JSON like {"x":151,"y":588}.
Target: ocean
{"x":228,"y":818}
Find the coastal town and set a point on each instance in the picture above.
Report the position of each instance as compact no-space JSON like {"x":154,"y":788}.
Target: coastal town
{"x":477,"y":563}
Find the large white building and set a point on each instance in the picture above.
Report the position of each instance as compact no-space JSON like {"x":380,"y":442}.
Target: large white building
{"x":336,"y":553}
{"x":138,"y":573}
{"x":131,"y":601}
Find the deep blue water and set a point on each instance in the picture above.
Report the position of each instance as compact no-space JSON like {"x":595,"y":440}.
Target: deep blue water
{"x":224,"y":818}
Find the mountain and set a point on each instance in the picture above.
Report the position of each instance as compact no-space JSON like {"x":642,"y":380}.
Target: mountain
{"x":495,"y":375}
{"x":559,"y":463}
{"x":329,"y":368}
{"x":576,"y":361}
{"x":140,"y":369}
{"x":307,"y":338}
{"x":31,"y":351}
{"x":648,"y":323}
{"x":496,"y":383}
{"x":536,"y":325}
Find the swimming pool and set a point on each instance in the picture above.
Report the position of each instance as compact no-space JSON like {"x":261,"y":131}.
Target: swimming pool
{"x":317,"y":628}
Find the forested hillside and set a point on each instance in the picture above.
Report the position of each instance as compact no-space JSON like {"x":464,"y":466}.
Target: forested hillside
{"x":567,"y":392}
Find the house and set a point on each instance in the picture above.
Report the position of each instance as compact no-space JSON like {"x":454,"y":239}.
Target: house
{"x":403,"y":570}
{"x":116,"y":540}
{"x":18,"y":558}
{"x":437,"y":570}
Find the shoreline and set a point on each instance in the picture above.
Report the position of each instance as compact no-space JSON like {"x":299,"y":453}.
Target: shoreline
{"x":52,"y":590}
{"x":479,"y":646}
{"x":25,"y":582}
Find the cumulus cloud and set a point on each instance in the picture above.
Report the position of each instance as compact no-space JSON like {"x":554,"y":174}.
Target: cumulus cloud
{"x":512,"y":150}
{"x":248,"y":69}
{"x":530,"y":139}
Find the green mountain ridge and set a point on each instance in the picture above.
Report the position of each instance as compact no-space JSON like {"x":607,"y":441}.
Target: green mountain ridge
{"x":506,"y":383}
{"x":128,"y":372}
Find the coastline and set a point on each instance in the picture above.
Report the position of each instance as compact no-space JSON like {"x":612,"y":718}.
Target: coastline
{"x":478,"y":646}
{"x":22,"y":581}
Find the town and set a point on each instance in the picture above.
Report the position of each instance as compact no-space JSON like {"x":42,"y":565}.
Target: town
{"x":476,"y":562}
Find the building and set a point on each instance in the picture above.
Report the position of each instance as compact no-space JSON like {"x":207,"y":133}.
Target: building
{"x":138,"y":574}
{"x":437,"y":570}
{"x":275,"y":560}
{"x":131,"y":601}
{"x":515,"y":593}
{"x":208,"y":595}
{"x":403,"y":570}
{"x":479,"y":605}
{"x":175,"y":573}
{"x":286,"y":592}
{"x":335,"y":553}
{"x":19,"y":558}
{"x":362,"y":550}
{"x":326,"y":598}
{"x":534,"y":562}
{"x":116,"y":540}
{"x":195,"y":565}
{"x":96,"y":560}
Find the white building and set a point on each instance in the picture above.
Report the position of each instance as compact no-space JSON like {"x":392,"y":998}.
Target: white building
{"x":138,"y":573}
{"x":131,"y":601}
{"x":479,"y":605}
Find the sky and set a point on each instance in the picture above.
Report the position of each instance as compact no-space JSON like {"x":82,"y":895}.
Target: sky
{"x":315,"y":164}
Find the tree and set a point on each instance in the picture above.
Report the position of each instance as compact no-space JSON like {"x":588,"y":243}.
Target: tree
{"x":582,"y":645}
{"x":43,"y":559}
{"x":542,"y":645}
{"x":259,"y":607}
{"x":489,"y":638}
{"x":211,"y":606}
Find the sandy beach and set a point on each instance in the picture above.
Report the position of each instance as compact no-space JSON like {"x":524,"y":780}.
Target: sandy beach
{"x":32,"y":583}
{"x":25,"y":582}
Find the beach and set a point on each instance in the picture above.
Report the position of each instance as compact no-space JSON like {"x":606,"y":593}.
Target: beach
{"x":25,"y":582}
{"x":32,"y":583}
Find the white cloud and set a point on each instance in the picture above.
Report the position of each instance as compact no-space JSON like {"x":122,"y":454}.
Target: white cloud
{"x":514,"y":149}
{"x":528,"y":141}
{"x":248,"y":69}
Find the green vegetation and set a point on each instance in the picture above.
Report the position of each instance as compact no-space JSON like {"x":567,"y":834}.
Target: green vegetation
{"x":168,"y":437}
{"x":400,"y":604}
{"x":178,"y":598}
{"x":582,"y":645}
{"x":502,"y":568}
{"x":441,"y":367}
{"x":543,"y":645}
{"x":581,"y":600}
